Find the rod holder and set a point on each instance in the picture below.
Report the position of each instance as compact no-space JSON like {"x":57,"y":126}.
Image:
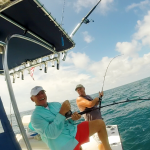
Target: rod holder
{"x":13,"y":78}
{"x":57,"y":66}
{"x":40,"y":67}
{"x":64,"y":56}
{"x":53,"y":64}
{"x":45,"y":70}
{"x":22,"y":76}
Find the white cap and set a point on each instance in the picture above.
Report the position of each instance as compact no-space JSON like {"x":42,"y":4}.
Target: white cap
{"x":78,"y":86}
{"x":36,"y":90}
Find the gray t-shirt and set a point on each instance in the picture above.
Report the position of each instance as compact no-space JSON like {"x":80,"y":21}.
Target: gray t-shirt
{"x":93,"y":115}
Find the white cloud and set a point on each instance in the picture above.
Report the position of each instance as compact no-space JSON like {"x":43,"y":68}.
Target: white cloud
{"x":87,"y":37}
{"x":142,"y":5}
{"x":103,"y":7}
{"x":127,"y":48}
{"x":143,"y":27}
{"x":140,"y":38}
{"x":79,"y":60}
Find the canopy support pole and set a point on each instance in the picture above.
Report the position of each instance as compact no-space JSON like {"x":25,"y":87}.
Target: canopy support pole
{"x":12,"y":96}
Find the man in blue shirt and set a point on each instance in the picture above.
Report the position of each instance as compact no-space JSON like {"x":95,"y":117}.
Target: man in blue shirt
{"x":48,"y":119}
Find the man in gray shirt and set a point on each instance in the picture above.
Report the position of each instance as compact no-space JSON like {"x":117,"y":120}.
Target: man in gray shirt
{"x":85,"y":102}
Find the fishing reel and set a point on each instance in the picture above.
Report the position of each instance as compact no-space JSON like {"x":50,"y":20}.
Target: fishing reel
{"x":100,"y":101}
{"x":86,"y":21}
{"x":68,"y":114}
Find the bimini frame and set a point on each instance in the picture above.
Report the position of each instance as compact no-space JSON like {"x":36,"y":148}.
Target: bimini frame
{"x":12,"y":96}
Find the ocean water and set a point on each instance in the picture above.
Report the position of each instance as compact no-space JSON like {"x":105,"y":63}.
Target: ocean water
{"x":133,"y":118}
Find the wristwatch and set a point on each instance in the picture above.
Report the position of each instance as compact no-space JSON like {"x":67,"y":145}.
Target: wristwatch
{"x":68,"y":114}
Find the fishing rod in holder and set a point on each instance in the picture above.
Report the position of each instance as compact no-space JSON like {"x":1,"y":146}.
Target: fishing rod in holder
{"x":84,"y":20}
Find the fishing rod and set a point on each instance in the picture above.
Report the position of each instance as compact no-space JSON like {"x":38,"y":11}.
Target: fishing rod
{"x":100,"y":98}
{"x":114,"y":103}
{"x":84,"y":20}
{"x":126,"y":101}
{"x":107,"y":69}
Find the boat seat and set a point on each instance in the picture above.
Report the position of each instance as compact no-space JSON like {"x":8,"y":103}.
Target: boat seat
{"x":35,"y":144}
{"x":26,"y":120}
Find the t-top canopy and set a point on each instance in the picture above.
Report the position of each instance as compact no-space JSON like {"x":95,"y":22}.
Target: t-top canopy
{"x":30,"y":18}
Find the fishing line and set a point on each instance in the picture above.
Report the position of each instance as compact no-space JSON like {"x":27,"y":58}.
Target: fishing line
{"x":63,"y":10}
{"x":107,"y":69}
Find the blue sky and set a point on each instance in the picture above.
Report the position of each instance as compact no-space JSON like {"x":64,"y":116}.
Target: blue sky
{"x":119,"y":27}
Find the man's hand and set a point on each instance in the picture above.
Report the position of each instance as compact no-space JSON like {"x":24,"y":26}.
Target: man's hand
{"x":97,"y":101}
{"x":75,"y":116}
{"x":65,"y":107}
{"x":101,"y":94}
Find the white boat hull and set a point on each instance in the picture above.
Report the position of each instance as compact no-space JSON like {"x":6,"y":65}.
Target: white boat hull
{"x":113,"y":136}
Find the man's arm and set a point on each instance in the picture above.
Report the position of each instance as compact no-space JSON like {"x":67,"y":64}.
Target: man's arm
{"x":53,"y":129}
{"x":85,"y":103}
{"x":50,"y":130}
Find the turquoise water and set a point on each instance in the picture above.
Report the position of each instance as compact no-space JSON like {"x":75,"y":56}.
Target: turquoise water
{"x":133,"y":118}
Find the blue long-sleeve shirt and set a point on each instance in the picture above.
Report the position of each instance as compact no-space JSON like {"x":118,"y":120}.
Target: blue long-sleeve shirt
{"x":55,"y":130}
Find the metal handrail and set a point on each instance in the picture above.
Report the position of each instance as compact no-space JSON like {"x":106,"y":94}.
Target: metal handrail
{"x":32,"y":40}
{"x":24,"y":29}
{"x":10,"y":89}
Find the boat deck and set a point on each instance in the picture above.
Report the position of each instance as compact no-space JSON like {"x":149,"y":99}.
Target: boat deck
{"x":113,"y":136}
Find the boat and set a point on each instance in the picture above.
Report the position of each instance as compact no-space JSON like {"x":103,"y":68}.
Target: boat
{"x":112,"y":130}
{"x":31,"y":37}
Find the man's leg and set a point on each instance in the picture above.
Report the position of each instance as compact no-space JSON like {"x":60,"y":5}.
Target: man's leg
{"x":99,"y":127}
{"x":101,"y":147}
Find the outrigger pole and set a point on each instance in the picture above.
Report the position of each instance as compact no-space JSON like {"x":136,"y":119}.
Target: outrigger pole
{"x":84,"y":20}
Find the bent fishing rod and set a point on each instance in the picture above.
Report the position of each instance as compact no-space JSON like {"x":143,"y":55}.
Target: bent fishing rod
{"x":100,"y":98}
{"x":107,"y":69}
{"x":114,"y":103}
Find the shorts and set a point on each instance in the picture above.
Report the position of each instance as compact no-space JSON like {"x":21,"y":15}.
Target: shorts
{"x":82,"y":135}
